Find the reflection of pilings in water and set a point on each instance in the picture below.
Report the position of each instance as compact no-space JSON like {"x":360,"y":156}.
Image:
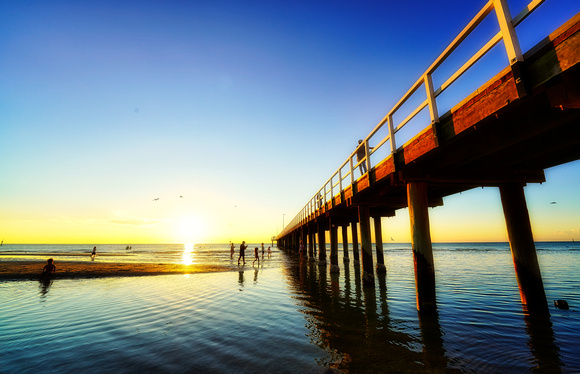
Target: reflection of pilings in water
{"x":542,"y":343}
{"x":358,"y":284}
{"x":353,"y":332}
{"x":433,"y":351}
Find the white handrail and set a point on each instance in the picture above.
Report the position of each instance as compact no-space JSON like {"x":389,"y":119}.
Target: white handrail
{"x":506,"y":33}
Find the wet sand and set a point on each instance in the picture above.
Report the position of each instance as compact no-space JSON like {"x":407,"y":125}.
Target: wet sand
{"x":24,"y":270}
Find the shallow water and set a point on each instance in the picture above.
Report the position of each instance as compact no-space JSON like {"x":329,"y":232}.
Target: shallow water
{"x":294,"y":316}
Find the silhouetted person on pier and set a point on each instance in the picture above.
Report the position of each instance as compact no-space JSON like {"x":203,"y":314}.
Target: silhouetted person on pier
{"x":243,"y":247}
{"x":257,"y":256}
{"x":360,"y":155}
{"x":48,"y":269}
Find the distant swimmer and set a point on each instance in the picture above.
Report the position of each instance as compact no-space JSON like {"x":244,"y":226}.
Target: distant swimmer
{"x":48,"y":269}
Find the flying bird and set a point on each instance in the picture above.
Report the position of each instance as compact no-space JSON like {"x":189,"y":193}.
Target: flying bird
{"x":181,"y":197}
{"x":554,"y":202}
{"x":156,"y":199}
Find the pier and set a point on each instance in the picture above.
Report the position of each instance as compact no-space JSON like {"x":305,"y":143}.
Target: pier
{"x":505,"y":134}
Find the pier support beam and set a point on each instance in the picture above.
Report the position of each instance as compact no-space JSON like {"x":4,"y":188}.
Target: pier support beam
{"x":354,"y":234}
{"x":523,"y":248}
{"x":381,"y":268}
{"x":311,"y":243}
{"x":321,"y":243}
{"x":368,"y":276}
{"x":345,"y":257}
{"x":422,"y":247}
{"x":334,"y":268}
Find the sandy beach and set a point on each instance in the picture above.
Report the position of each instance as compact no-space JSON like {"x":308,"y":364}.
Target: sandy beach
{"x":24,"y":270}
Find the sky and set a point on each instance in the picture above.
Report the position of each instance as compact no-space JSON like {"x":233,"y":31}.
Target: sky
{"x":216,"y":121}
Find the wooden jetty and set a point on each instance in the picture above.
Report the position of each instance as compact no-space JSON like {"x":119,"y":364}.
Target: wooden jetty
{"x":524,"y":120}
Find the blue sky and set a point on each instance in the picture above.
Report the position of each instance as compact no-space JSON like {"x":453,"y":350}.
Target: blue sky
{"x":243,"y":108}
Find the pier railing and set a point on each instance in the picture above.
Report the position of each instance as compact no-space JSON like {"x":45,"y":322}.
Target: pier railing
{"x":344,"y":177}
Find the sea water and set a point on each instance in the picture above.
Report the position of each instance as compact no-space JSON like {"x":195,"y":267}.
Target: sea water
{"x":291,"y":315}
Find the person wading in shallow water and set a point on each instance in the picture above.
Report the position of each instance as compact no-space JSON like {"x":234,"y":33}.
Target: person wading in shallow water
{"x":243,"y":247}
{"x":257,"y":256}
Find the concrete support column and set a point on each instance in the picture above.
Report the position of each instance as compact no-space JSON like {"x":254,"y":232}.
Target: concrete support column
{"x":321,"y":243}
{"x":381,"y":268}
{"x":422,"y":247}
{"x":334,"y":268}
{"x":345,"y":257}
{"x":523,"y":248}
{"x":354,"y":234}
{"x":368,"y":276}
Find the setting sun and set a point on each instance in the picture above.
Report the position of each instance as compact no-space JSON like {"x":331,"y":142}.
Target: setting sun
{"x":189,"y":229}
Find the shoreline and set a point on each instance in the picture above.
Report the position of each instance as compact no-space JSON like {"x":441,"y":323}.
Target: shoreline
{"x":31,"y":270}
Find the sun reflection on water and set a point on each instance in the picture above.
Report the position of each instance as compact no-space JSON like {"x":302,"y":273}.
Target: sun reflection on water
{"x":187,"y":258}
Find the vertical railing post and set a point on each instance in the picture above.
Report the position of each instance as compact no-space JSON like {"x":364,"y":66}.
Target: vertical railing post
{"x":351,"y":171}
{"x":431,"y":98}
{"x":331,"y":189}
{"x":508,"y":32}
{"x":367,"y":156}
{"x":391,"y":134}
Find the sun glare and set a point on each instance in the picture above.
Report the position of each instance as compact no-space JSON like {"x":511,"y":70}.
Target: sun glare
{"x":188,"y":229}
{"x":187,"y":258}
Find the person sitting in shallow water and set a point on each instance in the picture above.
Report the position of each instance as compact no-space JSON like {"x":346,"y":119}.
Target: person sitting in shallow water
{"x":48,"y":269}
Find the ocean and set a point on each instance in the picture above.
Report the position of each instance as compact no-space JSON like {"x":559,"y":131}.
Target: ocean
{"x":289,"y":315}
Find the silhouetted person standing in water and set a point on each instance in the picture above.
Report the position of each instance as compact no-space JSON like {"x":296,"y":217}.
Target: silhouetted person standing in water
{"x":232,"y":250}
{"x":243,"y":247}
{"x":48,"y":269}
{"x":257,"y":256}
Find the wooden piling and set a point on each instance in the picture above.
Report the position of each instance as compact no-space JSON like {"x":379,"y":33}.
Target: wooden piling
{"x":345,"y":257}
{"x":366,"y":245}
{"x":354,"y":234}
{"x":321,"y":243}
{"x":422,"y":247}
{"x":334,"y":268}
{"x":523,"y":248}
{"x":310,"y":243}
{"x":381,"y":268}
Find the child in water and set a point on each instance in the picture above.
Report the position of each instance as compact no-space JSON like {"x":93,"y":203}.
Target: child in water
{"x":49,"y":268}
{"x":257,"y":256}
